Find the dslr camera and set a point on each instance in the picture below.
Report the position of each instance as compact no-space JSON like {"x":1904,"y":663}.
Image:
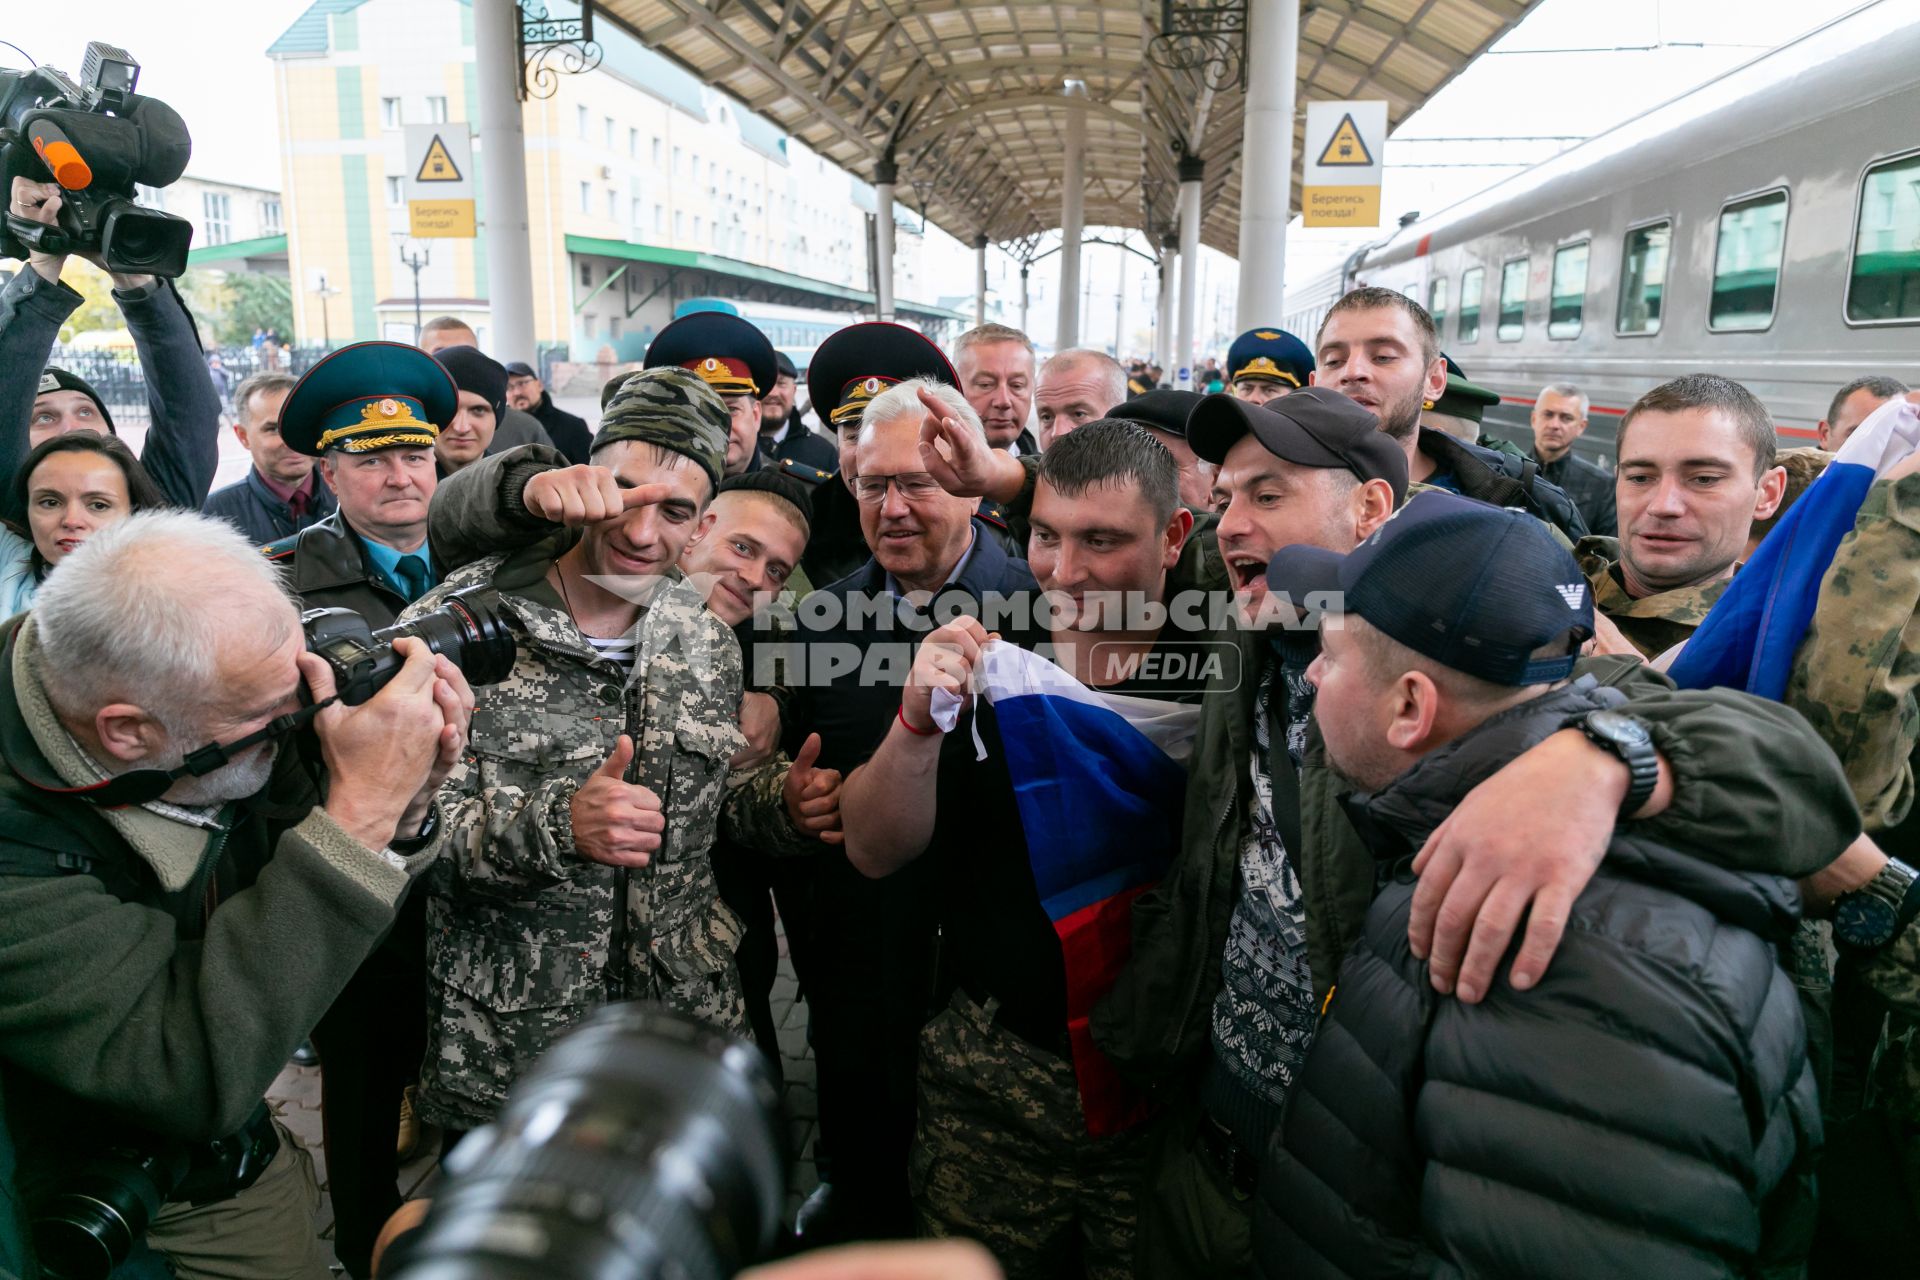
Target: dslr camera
{"x":98,"y":139}
{"x":468,"y":629}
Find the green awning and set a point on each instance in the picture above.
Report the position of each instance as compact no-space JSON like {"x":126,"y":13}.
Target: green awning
{"x":235,"y":250}
{"x":628,"y":251}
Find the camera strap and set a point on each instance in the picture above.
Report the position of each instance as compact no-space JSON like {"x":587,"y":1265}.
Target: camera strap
{"x":142,"y":786}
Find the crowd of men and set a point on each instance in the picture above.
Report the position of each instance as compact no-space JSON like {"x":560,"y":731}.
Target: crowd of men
{"x":1459,"y":939}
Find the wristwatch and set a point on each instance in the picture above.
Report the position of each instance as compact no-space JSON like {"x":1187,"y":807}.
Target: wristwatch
{"x":1629,"y":741}
{"x":1874,"y":913}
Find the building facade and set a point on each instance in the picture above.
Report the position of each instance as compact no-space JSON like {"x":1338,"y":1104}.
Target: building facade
{"x":645,"y":189}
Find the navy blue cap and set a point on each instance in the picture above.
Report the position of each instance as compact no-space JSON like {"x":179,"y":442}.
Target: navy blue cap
{"x":727,"y":353}
{"x":1476,"y":588}
{"x":1273,"y":354}
{"x":1313,"y":427}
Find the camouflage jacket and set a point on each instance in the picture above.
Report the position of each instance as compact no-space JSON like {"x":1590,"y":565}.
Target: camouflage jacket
{"x":1855,"y":674}
{"x":1652,"y":624}
{"x":525,"y":934}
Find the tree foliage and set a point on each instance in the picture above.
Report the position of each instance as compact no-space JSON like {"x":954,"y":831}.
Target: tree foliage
{"x":231,"y":305}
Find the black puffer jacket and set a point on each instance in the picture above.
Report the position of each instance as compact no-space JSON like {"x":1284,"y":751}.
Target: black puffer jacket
{"x":1646,"y":1111}
{"x":1489,"y":475}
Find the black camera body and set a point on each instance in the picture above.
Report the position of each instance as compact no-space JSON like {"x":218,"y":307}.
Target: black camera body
{"x":468,"y":629}
{"x":98,"y":139}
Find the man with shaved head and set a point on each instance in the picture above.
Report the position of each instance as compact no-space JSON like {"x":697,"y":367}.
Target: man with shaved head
{"x":1076,"y":386}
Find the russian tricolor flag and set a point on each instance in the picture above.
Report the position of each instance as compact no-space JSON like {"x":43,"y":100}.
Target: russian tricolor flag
{"x":1101,"y":782}
{"x":1749,"y":638}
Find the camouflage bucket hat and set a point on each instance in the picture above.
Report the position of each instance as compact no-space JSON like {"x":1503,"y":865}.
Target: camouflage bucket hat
{"x":671,"y":408}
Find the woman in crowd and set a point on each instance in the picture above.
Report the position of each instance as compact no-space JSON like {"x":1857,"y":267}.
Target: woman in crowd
{"x":70,"y":487}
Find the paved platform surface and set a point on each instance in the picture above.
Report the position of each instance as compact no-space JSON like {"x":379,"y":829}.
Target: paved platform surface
{"x":295,"y":1098}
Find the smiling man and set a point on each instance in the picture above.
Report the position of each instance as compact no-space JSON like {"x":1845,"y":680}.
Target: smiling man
{"x":1379,"y":348}
{"x":1696,"y":470}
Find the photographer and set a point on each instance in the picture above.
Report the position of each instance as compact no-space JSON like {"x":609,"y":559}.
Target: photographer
{"x":36,"y":402}
{"x":148,"y":994}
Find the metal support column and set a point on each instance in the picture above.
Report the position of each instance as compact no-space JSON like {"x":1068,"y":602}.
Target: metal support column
{"x":1073,"y":191}
{"x":1169,"y":288}
{"x":503,"y":186}
{"x":1266,"y":160}
{"x":885,"y":174}
{"x":1023,"y":295}
{"x":1192,"y":171}
{"x":979,"y":280}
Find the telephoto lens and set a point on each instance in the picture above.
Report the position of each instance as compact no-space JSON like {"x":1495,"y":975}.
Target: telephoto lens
{"x":469,"y":629}
{"x":644,"y":1144}
{"x":91,"y":1225}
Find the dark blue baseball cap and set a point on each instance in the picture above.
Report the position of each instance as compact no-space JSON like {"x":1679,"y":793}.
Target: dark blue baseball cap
{"x":1477,"y":588}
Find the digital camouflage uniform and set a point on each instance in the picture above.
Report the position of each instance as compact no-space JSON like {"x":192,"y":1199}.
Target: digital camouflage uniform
{"x":1655,"y":623}
{"x":524,"y":933}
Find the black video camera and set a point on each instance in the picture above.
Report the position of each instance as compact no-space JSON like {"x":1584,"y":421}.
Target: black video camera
{"x":98,"y":139}
{"x":468,"y":629}
{"x":645,"y":1144}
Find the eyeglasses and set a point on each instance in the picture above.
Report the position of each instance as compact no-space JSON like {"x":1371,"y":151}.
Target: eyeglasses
{"x":915,"y":486}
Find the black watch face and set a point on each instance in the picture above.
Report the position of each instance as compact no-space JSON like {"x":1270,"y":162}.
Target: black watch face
{"x":1862,"y":920}
{"x":1615,"y":727}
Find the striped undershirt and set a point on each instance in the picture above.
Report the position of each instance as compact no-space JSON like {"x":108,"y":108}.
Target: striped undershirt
{"x":618,"y":650}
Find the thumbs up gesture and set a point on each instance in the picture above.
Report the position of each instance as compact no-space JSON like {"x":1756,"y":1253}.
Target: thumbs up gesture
{"x":615,"y":821}
{"x":813,"y":794}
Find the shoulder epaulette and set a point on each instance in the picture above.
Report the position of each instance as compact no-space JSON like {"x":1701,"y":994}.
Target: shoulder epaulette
{"x":800,"y":471}
{"x":280,"y":550}
{"x":993,"y":513}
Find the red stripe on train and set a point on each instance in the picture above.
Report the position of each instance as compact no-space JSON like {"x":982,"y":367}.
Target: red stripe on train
{"x":1799,"y":433}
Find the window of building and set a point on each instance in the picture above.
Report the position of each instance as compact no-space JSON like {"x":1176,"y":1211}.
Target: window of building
{"x":396,"y":192}
{"x":1746,"y":263}
{"x":580,"y":121}
{"x":1512,"y":321}
{"x":592,"y":325}
{"x":586,"y":275}
{"x":1567,"y":294}
{"x":660,"y":219}
{"x":1883,"y":280}
{"x":613,"y":204}
{"x":1643,"y":278}
{"x":390,"y":113}
{"x":679,"y":224}
{"x":217,"y":212}
{"x":696,"y":228}
{"x":437,"y":109}
{"x":639,"y":212}
{"x":270,"y":217}
{"x":613,"y":326}
{"x":676,"y":162}
{"x":656,"y":153}
{"x":607,"y":135}
{"x":1437,"y":304}
{"x":633,"y":144}
{"x":586,"y":197}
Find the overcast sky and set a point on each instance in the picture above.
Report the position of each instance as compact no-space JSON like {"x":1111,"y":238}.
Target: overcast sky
{"x":209,"y":61}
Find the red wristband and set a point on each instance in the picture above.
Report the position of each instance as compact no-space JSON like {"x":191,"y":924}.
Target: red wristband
{"x":901,"y":715}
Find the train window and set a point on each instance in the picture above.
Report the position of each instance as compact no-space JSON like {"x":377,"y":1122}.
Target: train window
{"x":1473,"y":286}
{"x":1513,"y":301}
{"x":1643,"y":279}
{"x":1746,"y":263}
{"x":1437,"y":305}
{"x":1568,"y":297}
{"x":1884,"y":280}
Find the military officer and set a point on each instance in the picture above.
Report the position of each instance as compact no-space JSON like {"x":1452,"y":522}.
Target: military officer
{"x":371,"y":413}
{"x":734,"y":358}
{"x":598,"y":773}
{"x":1265,"y":363}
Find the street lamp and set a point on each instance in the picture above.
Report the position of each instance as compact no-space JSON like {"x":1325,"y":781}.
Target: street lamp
{"x":417,"y":262}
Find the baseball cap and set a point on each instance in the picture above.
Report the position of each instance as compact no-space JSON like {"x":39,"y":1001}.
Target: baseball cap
{"x":1476,"y":588}
{"x":1314,"y":427}
{"x":1165,"y":409}
{"x":520,"y":369}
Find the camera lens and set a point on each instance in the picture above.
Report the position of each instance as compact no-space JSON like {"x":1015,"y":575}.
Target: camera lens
{"x":644,"y":1144}
{"x":90,"y":1226}
{"x":469,"y":630}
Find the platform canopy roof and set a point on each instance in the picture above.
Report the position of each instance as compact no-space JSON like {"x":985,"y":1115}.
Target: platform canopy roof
{"x":969,"y":96}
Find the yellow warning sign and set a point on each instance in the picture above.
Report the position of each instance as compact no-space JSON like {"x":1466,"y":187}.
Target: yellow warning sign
{"x":1345,"y":147}
{"x":438,"y":166}
{"x":1340,"y":206}
{"x":441,"y":219}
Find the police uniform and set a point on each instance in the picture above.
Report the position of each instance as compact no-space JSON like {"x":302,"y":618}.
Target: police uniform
{"x":725,"y":352}
{"x":361,"y":399}
{"x":1269,"y":356}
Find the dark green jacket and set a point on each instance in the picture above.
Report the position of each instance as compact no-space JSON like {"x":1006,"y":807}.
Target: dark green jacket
{"x":326,"y":566}
{"x":155,"y":974}
{"x":1755,"y":789}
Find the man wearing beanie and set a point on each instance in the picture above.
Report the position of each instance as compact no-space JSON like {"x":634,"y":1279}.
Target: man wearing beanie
{"x":599,"y":771}
{"x":483,"y":399}
{"x":182,"y":450}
